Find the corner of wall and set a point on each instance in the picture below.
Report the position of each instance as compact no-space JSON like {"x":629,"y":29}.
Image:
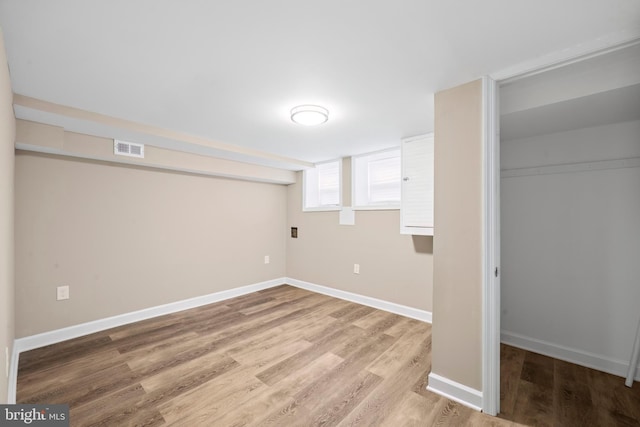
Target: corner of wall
{"x":457,"y":249}
{"x":7,"y":162}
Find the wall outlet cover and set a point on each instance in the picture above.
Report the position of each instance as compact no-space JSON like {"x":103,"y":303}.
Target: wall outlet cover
{"x":62,"y":293}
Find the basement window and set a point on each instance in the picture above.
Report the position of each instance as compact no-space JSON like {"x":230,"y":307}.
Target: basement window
{"x":321,"y":187}
{"x":376,"y":180}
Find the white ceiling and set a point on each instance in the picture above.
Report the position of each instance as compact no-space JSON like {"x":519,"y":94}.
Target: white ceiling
{"x":230,"y":71}
{"x":601,"y":90}
{"x":612,"y":106}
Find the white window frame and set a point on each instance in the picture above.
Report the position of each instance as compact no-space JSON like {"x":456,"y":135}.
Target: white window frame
{"x":356,"y":180}
{"x":320,"y":208}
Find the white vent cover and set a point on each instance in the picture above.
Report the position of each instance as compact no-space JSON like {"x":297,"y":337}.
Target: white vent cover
{"x":131,"y":149}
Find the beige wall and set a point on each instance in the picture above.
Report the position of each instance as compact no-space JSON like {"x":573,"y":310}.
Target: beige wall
{"x":457,"y":246}
{"x":7,"y":137}
{"x":393,"y":267}
{"x":126,"y":238}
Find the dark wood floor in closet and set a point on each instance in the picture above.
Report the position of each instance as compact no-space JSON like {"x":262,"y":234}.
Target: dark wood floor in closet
{"x":289,"y":357}
{"x":538,"y":390}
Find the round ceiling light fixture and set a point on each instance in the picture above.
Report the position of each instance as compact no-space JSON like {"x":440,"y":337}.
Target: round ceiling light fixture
{"x":309,"y":115}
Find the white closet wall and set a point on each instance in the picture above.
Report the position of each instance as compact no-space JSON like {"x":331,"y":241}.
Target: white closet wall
{"x":570,"y":218}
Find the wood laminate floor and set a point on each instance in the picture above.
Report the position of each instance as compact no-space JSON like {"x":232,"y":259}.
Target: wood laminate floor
{"x":537,"y":390}
{"x":289,"y":357}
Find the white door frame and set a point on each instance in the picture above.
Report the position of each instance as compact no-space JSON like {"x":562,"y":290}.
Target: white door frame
{"x":491,"y":194}
{"x":491,"y":250}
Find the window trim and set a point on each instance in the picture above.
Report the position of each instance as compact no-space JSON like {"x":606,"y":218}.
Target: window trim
{"x":379,"y":206}
{"x":304,"y":190}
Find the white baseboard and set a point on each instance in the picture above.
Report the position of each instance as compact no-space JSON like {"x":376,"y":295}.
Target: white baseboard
{"x":75,"y":331}
{"x":402,"y":310}
{"x":572,"y":355}
{"x":59,"y":335}
{"x":455,"y":391}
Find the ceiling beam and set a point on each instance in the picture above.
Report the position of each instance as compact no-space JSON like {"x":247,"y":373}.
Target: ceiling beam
{"x":161,"y":135}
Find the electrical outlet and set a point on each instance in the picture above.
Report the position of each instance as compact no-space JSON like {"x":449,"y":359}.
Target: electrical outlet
{"x":356,"y":268}
{"x":266,"y":259}
{"x":62,"y":293}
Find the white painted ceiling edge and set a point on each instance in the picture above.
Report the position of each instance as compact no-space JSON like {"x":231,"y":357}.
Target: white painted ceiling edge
{"x":182,"y":141}
{"x":592,"y":110}
{"x":75,"y":120}
{"x":580,"y":52}
{"x":591,"y":73}
{"x":597,"y":90}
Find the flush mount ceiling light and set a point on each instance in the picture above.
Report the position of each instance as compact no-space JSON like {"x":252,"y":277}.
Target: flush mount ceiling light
{"x":309,"y":115}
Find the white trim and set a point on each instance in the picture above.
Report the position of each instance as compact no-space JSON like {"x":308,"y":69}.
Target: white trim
{"x":491,"y":250}
{"x":416,"y":231}
{"x":418,"y":137}
{"x":402,"y":310}
{"x":59,"y":335}
{"x":457,"y":392}
{"x":568,"y":56}
{"x":372,"y":206}
{"x":322,"y":208}
{"x":630,"y":162}
{"x":13,"y":376}
{"x":568,"y":354}
{"x":377,"y":208}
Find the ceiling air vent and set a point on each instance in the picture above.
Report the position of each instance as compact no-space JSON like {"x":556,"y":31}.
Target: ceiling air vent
{"x":131,"y":149}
